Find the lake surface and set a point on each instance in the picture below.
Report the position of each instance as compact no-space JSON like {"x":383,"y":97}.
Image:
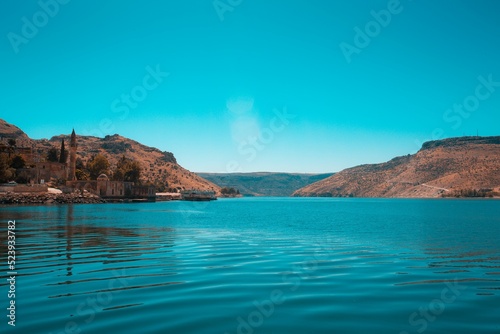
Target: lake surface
{"x":256,"y":265}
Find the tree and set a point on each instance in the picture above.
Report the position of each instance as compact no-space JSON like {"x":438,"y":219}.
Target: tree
{"x":17,"y":162}
{"x":12,"y":144}
{"x":229,"y":191}
{"x":5,"y":172}
{"x":160,"y":187}
{"x":127,"y":170}
{"x":22,"y":177}
{"x":52,"y":155}
{"x":119,"y":172}
{"x":81,"y":172}
{"x":79,"y":164}
{"x":64,"y":154}
{"x":133,"y":172}
{"x":97,"y":166}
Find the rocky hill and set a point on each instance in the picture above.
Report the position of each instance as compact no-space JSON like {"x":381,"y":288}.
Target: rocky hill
{"x":10,"y":131}
{"x":440,"y":168}
{"x":264,"y":184}
{"x":158,"y":167}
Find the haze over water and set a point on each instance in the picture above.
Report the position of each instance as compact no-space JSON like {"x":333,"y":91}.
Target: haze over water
{"x":258,"y":265}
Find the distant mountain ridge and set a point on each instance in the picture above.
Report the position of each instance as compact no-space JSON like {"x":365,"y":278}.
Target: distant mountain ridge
{"x":264,"y":183}
{"x":157,"y":167}
{"x":439,"y":168}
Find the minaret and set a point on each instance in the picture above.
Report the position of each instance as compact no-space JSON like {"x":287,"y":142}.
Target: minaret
{"x":72,"y":157}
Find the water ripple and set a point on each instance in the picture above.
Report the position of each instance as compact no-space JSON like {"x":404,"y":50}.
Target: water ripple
{"x":275,"y":266}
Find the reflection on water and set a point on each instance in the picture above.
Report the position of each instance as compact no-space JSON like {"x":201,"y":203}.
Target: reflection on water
{"x":258,"y":265}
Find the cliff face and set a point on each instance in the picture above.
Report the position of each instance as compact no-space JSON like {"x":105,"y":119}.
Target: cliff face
{"x":439,"y":168}
{"x":157,"y":166}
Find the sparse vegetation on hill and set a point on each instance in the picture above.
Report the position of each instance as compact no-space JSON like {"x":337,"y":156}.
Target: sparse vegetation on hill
{"x":472,"y":193}
{"x":10,"y":131}
{"x":156,"y":167}
{"x":264,"y":184}
{"x":115,"y":146}
{"x":449,"y":167}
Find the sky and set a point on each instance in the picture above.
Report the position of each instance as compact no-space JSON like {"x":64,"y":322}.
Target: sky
{"x":245,"y":86}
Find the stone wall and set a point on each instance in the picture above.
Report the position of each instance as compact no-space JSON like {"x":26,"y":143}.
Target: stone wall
{"x":37,"y":188}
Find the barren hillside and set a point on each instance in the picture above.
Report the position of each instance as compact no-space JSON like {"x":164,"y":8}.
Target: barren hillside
{"x":440,"y":167}
{"x":10,"y":131}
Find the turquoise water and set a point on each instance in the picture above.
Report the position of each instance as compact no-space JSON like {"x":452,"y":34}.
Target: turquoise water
{"x":256,"y":265}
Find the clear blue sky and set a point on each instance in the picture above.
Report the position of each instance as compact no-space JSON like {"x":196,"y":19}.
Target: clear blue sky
{"x":231,"y":68}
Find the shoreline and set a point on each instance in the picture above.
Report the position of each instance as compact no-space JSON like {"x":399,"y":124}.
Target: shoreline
{"x":11,"y":198}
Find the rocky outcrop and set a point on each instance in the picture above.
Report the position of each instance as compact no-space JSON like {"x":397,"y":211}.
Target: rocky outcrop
{"x":10,"y":131}
{"x":49,"y":198}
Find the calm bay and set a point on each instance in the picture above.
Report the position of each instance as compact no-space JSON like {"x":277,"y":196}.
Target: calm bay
{"x":256,"y":265}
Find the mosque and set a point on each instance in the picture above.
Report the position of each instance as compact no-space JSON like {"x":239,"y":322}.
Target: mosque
{"x":41,"y":171}
{"x":103,"y":186}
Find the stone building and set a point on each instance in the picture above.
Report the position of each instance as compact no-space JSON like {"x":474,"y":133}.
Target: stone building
{"x":103,"y":186}
{"x":108,"y":189}
{"x":44,"y":171}
{"x":39,"y":172}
